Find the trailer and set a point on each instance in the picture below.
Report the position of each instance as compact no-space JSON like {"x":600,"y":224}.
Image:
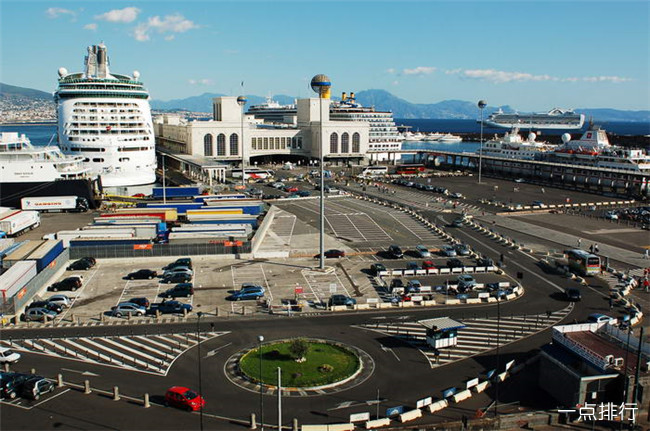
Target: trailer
{"x":175,"y":192}
{"x":251,"y":207}
{"x":55,"y":203}
{"x":108,"y":242}
{"x":17,"y":222}
{"x":159,"y":226}
{"x":227,"y":219}
{"x":181,"y":208}
{"x":21,"y":253}
{"x":138,"y":231}
{"x":193,"y":215}
{"x":126,"y":220}
{"x":46,"y":254}
{"x":212,"y":227}
{"x":16,"y":277}
{"x":165,"y":215}
{"x":67,"y":236}
{"x":232,"y":196}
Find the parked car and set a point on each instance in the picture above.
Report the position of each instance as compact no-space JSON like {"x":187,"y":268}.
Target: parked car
{"x":412,"y":266}
{"x":454,"y":263}
{"x":332,"y":254}
{"x":8,"y":355}
{"x":598,"y":318}
{"x":340,"y":300}
{"x":483,"y":261}
{"x":142,"y":302}
{"x":169,"y":307}
{"x":447,"y":250}
{"x":573,"y":294}
{"x":70,"y":283}
{"x":377,"y":268}
{"x":277,"y":185}
{"x":11,"y":384}
{"x":458,"y":222}
{"x":180,"y":277}
{"x":428,"y":264}
{"x":462,"y":249}
{"x":413,"y":286}
{"x":183,"y":261}
{"x":456,"y":195}
{"x":247,"y":291}
{"x":181,"y":289}
{"x":423,"y":251}
{"x":538,"y":203}
{"x":291,"y":189}
{"x":81,"y":264}
{"x":128,"y":309}
{"x":304,"y":193}
{"x":183,"y":398}
{"x":465,"y":282}
{"x":60,"y":299}
{"x":35,"y":386}
{"x":395,"y":252}
{"x":177,"y":270}
{"x":142,"y":274}
{"x":396,"y":283}
{"x":46,"y":304}
{"x":38,"y":315}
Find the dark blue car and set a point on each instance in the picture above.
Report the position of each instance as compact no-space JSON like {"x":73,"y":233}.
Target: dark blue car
{"x":247,"y":292}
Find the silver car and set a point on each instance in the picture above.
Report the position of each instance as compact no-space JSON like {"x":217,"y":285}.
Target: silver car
{"x":178,"y":269}
{"x":462,"y":249}
{"x":61,"y":300}
{"x":128,"y":308}
{"x":39,"y":314}
{"x":423,"y":251}
{"x":447,"y":250}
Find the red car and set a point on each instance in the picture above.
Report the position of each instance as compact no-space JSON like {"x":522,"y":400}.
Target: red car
{"x":427,"y":264}
{"x":139,"y":195}
{"x":184,"y":398}
{"x":290,"y":189}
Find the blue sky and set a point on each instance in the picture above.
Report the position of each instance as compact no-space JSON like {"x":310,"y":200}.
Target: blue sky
{"x":526,"y":54}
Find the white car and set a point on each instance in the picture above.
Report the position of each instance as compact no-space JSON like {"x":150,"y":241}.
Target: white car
{"x":178,"y":269}
{"x":9,"y":356}
{"x":61,"y":300}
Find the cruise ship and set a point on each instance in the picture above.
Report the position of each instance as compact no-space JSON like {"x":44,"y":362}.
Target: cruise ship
{"x":383,"y":135}
{"x":106,"y":118}
{"x":555,"y":119}
{"x":30,"y":171}
{"x":513,"y":146}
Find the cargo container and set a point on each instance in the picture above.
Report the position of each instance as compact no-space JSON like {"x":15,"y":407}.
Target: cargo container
{"x":67,"y":236}
{"x":16,"y":277}
{"x":89,"y":242}
{"x":228,"y":219}
{"x":126,"y":220}
{"x":210,"y":213}
{"x":181,"y":208}
{"x":157,"y":224}
{"x":138,"y":231}
{"x":175,"y":192}
{"x":46,"y":254}
{"x":162,"y":214}
{"x":21,"y":253}
{"x":211,"y":227}
{"x":55,"y":203}
{"x":233,"y":196}
{"x":16,"y":222}
{"x":250,"y":207}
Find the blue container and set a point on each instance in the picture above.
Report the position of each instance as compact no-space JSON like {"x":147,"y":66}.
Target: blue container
{"x":175,"y":192}
{"x":46,"y":254}
{"x":181,"y":208}
{"x":104,"y":242}
{"x":250,"y":221}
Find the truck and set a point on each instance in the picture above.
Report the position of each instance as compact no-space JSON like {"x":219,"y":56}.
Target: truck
{"x":17,"y":222}
{"x":55,"y":203}
{"x":175,"y":192}
{"x":46,"y":254}
{"x":20,"y":253}
{"x":16,"y":277}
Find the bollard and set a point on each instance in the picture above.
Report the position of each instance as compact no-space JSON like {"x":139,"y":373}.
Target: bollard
{"x":253,"y":421}
{"x":216,"y":312}
{"x":6,"y":367}
{"x":101,"y":317}
{"x":184,"y":312}
{"x":116,"y":393}
{"x":87,"y":387}
{"x":295,"y":424}
{"x":32,"y":371}
{"x":157,"y":314}
{"x":145,"y":402}
{"x":59,"y":380}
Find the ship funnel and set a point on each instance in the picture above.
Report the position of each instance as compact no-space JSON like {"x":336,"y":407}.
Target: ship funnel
{"x":352,"y":96}
{"x":344,"y":97}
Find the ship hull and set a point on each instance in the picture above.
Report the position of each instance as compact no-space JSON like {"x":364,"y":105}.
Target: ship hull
{"x":12,"y":193}
{"x":537,"y":126}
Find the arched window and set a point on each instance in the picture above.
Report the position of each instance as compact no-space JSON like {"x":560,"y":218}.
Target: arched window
{"x":334,"y":143}
{"x":356,"y":143}
{"x":234,"y":144}
{"x":221,"y":145}
{"x":345,"y":143}
{"x":208,"y":149}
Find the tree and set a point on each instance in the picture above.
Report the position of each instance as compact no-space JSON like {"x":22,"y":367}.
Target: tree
{"x":299,"y":348}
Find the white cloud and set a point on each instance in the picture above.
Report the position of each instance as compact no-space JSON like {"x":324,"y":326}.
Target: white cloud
{"x":500,"y":76}
{"x":614,"y":79}
{"x":55,"y":12}
{"x":170,"y":37}
{"x":126,"y":15}
{"x":395,"y":82}
{"x":176,"y":23}
{"x":420,"y":70}
{"x":92,"y":26}
{"x":204,"y":81}
{"x":391,"y":71}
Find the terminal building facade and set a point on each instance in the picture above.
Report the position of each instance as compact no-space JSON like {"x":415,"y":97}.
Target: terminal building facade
{"x":206,"y":149}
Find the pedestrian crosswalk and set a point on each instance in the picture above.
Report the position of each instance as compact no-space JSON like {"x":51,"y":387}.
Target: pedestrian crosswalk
{"x":152,"y":354}
{"x":478,"y":335}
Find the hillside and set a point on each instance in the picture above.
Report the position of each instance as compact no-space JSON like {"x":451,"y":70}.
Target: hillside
{"x":10,"y":91}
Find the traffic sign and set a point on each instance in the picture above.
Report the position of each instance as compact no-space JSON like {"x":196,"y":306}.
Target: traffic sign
{"x":298,"y":289}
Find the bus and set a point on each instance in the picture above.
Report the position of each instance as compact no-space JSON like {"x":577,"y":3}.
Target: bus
{"x":412,"y":169}
{"x":583,"y":262}
{"x":374,"y":171}
{"x":254,"y":173}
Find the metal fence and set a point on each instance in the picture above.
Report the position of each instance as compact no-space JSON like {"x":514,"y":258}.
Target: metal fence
{"x":157,"y":250}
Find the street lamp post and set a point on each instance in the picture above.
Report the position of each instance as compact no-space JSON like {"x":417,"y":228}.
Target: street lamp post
{"x":321,"y":84}
{"x":481,"y":104}
{"x":198,"y":346}
{"x":496,"y":389}
{"x":260,"y":339}
{"x":241,"y":101}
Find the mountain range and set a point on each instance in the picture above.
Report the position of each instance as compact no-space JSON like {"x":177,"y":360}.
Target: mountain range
{"x":382,"y":100}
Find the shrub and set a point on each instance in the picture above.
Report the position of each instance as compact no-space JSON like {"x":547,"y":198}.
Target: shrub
{"x":299,"y":348}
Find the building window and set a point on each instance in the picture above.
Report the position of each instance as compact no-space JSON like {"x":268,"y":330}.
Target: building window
{"x":266,"y":143}
{"x":207,"y":145}
{"x":234,"y":144}
{"x":254,"y":143}
{"x":299,"y":145}
{"x":334,"y":143}
{"x":277,"y":143}
{"x":345,"y":143}
{"x":221,"y":145}
{"x":284,"y":143}
{"x":356,"y":143}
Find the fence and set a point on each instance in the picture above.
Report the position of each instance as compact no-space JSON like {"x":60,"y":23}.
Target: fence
{"x":157,"y":250}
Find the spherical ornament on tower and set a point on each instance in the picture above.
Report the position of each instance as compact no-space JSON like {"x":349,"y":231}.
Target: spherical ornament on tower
{"x":321,"y":84}
{"x":136,"y":74}
{"x":241,"y":100}
{"x":482,"y":104}
{"x":62,"y":72}
{"x":566,"y":138}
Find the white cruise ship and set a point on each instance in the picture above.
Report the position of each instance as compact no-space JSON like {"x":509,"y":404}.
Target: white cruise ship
{"x":29,"y":171}
{"x":106,"y":118}
{"x":513,"y":146}
{"x":556,"y":118}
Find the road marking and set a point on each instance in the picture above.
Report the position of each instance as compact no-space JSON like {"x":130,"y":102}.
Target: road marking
{"x":83,"y":373}
{"x":388,"y":349}
{"x":215,"y":351}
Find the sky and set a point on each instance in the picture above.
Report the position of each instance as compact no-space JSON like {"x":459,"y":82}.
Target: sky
{"x":527,"y":54}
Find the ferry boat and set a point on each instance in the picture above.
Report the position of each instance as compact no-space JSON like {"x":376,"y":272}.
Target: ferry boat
{"x":31,"y":171}
{"x":555,"y":119}
{"x":513,"y":146}
{"x":106,"y":118}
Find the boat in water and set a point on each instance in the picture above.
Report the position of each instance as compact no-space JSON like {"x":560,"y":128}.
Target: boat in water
{"x":513,"y":146}
{"x":555,"y":119}
{"x":35,"y":171}
{"x":106,"y":118}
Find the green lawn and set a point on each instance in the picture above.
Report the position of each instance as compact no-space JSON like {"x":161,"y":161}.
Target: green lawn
{"x":294,"y":374}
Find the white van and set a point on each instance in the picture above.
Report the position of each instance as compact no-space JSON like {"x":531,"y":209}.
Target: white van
{"x":374,"y":171}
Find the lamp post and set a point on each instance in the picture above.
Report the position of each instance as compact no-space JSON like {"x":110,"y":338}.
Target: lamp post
{"x":496,"y":389}
{"x":198,"y":346}
{"x":481,"y":104}
{"x":321,"y":84}
{"x":163,"y":172}
{"x":260,"y":339}
{"x":241,"y":101}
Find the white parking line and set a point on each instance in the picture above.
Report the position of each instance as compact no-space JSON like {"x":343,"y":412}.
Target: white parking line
{"x":266,"y":282}
{"x":78,"y":293}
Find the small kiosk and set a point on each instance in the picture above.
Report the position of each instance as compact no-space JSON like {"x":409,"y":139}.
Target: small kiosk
{"x":441,"y":332}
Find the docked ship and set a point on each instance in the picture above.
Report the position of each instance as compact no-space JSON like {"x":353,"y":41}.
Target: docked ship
{"x":30,"y":171}
{"x":105,"y":118}
{"x":383,"y":134}
{"x":555,"y":119}
{"x":513,"y":146}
